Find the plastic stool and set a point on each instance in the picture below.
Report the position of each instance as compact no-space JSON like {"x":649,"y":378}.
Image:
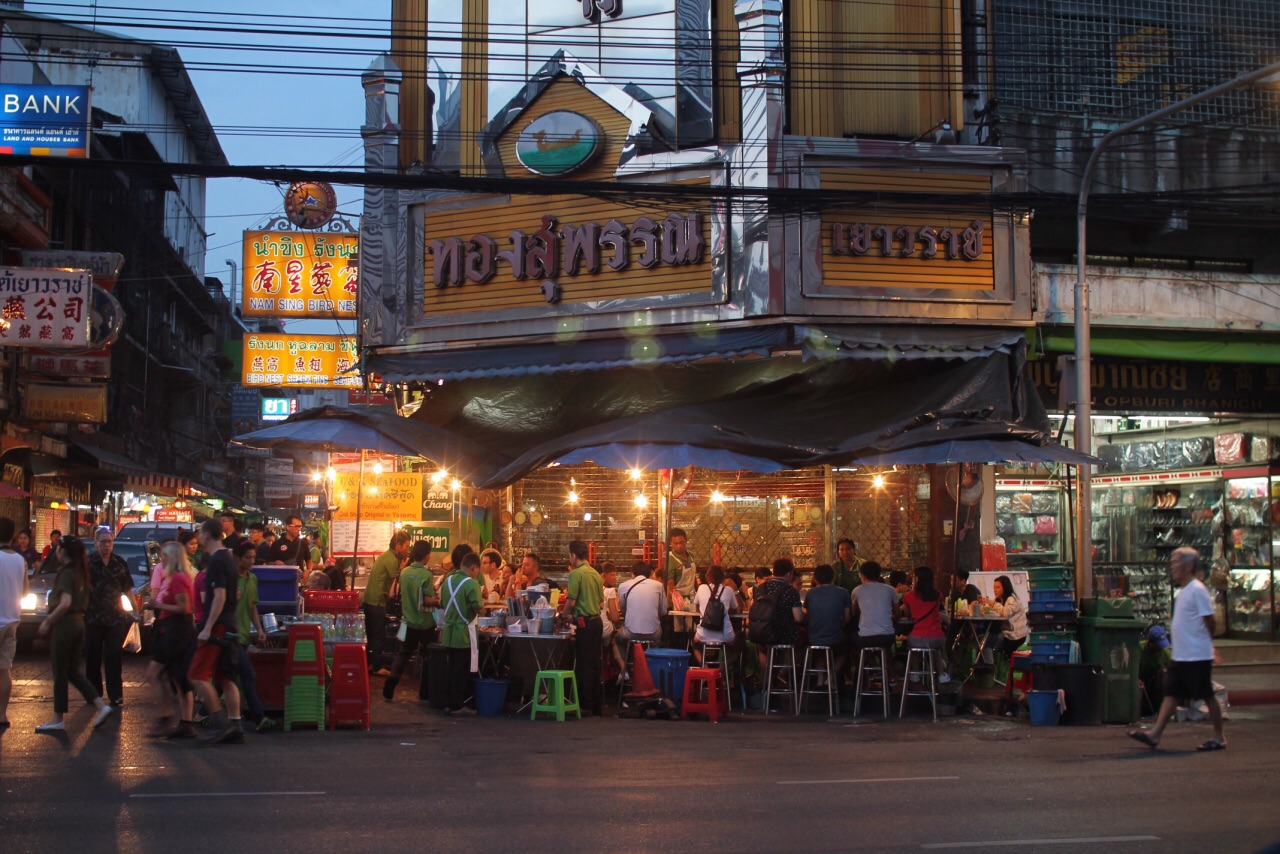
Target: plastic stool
{"x":1023,"y":680}
{"x":927,"y":676}
{"x":865,"y":672}
{"x":708,"y":679}
{"x":785,"y":665}
{"x":810,"y":672}
{"x":715,"y":657}
{"x":626,"y":664}
{"x":557,"y":697}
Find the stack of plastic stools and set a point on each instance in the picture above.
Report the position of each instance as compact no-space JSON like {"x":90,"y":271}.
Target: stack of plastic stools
{"x":349,"y":686}
{"x":304,"y":677}
{"x":556,"y":683}
{"x":708,"y":681}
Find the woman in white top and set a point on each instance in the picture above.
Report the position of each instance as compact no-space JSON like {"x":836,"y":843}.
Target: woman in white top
{"x":1008,"y":606}
{"x":714,"y":585}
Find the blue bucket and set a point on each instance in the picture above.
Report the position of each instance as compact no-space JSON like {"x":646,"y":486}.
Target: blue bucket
{"x":669,"y":667}
{"x":491,"y":696}
{"x":1044,"y":707}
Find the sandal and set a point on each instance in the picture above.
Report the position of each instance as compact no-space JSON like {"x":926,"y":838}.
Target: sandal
{"x":1142,"y":736}
{"x":1210,"y":745}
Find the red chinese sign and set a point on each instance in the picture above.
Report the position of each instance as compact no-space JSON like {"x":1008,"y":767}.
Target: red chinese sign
{"x":44,"y":308}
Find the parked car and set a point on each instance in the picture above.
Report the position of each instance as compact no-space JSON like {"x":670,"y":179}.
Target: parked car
{"x":160,"y":532}
{"x":141,"y":558}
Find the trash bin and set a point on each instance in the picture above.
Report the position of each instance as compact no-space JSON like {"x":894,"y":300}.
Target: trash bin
{"x":437,"y":676}
{"x":1109,"y":638}
{"x":491,"y":696}
{"x":1083,"y":684}
{"x":668,"y":668}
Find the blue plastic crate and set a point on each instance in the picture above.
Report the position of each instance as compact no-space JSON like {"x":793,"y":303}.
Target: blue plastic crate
{"x":1042,"y":594}
{"x":1051,"y":647}
{"x":277,"y":583}
{"x":1042,"y":606}
{"x":1050,"y":658}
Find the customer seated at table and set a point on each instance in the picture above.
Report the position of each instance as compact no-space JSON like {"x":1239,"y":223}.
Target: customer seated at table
{"x":714,"y":588}
{"x":642,"y":602}
{"x":873,"y":604}
{"x":923,"y":606}
{"x":900,"y":582}
{"x":787,"y":611}
{"x":610,"y":615}
{"x":1005,"y":604}
{"x":318,"y":580}
{"x":827,"y":609}
{"x":733,"y":580}
{"x":528,"y":575}
{"x":490,"y":579}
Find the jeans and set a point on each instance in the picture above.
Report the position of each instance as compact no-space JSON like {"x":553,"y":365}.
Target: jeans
{"x":375,"y":626}
{"x":459,"y":674}
{"x":102,"y":652}
{"x":587,"y":663}
{"x":249,"y":685}
{"x":66,"y":648}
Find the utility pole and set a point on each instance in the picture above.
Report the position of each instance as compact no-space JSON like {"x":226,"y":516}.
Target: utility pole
{"x":1084,"y":377}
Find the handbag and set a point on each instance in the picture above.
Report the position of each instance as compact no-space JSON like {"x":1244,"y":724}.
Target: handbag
{"x":133,"y":640}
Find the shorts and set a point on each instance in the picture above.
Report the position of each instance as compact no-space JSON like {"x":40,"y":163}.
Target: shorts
{"x":8,"y":645}
{"x":218,"y":657}
{"x":914,"y":642}
{"x":876,"y":641}
{"x":1189,"y":680}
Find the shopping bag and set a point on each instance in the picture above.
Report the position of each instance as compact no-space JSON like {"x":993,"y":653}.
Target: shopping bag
{"x":403,"y":634}
{"x":133,"y":640}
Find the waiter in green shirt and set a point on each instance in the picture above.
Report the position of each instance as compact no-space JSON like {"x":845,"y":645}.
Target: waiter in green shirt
{"x":417,"y":603}
{"x":378,"y":589}
{"x":848,"y":568}
{"x":585,"y":594}
{"x":460,"y":601}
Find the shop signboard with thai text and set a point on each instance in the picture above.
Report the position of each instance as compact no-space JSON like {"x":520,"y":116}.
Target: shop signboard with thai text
{"x":1139,"y":386}
{"x":391,"y":495}
{"x":44,"y":121}
{"x":300,"y":361}
{"x":300,"y":274}
{"x":438,"y":537}
{"x":73,"y":404}
{"x":44,"y":308}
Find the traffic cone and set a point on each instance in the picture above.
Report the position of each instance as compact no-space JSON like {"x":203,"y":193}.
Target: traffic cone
{"x":641,"y":680}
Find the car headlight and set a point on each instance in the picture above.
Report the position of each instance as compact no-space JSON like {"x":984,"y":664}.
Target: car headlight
{"x":29,"y":602}
{"x":126,"y":604}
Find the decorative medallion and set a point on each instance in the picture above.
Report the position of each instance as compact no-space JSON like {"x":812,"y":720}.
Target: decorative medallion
{"x":310,"y":204}
{"x":559,"y":143}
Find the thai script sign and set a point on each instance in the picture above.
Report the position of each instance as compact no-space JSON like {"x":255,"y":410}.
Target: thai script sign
{"x":905,"y":241}
{"x":44,"y":308}
{"x":295,"y":274}
{"x":44,"y":121}
{"x":300,"y":361}
{"x":80,"y":404}
{"x":569,"y":250}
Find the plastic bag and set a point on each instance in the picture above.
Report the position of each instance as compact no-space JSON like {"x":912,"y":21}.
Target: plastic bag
{"x":993,"y":555}
{"x":133,"y":640}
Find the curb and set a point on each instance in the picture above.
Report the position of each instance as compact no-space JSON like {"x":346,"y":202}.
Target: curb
{"x":1262,"y":697}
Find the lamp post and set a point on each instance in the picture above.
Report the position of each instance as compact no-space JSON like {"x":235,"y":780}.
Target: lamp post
{"x":1084,"y":383}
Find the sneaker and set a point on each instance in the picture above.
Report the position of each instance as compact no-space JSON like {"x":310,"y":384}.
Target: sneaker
{"x":381,"y":671}
{"x":101,"y":717}
{"x":52,"y":726}
{"x":118,"y":702}
{"x":184,"y":729}
{"x":235,"y":736}
{"x":943,"y":678}
{"x":267,"y":724}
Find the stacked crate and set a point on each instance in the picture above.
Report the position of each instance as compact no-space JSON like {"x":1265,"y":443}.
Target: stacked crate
{"x":304,"y":676}
{"x":1051,"y":614}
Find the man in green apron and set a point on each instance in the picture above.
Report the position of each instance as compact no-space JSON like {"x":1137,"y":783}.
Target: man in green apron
{"x":460,"y":601}
{"x":582,"y":605}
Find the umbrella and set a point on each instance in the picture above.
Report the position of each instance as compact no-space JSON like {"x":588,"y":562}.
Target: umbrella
{"x":978,"y":451}
{"x":659,"y":456}
{"x":8,"y":490}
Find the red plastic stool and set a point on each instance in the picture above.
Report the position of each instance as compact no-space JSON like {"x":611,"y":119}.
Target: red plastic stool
{"x":313,"y":664}
{"x":349,"y":686}
{"x":717,"y":695}
{"x":1020,"y":665}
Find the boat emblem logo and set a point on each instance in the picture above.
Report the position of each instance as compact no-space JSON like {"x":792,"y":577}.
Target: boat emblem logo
{"x":559,"y":143}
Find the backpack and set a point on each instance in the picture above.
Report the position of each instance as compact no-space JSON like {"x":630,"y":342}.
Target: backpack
{"x":760,"y":627}
{"x":713,"y":616}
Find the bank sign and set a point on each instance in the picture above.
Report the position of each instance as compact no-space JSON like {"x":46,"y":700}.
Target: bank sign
{"x":44,"y":121}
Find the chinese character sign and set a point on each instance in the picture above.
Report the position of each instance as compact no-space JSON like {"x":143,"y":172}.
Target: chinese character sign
{"x":44,"y":308}
{"x":291,"y":274}
{"x":300,"y":361}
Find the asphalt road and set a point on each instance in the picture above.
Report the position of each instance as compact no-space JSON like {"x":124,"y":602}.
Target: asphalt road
{"x":422,"y":782}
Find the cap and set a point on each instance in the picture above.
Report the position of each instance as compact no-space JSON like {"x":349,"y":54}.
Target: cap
{"x":1158,"y":636}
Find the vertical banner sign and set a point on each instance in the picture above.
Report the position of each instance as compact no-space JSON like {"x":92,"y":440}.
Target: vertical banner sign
{"x":44,"y":121}
{"x":44,"y":308}
{"x":300,"y":275}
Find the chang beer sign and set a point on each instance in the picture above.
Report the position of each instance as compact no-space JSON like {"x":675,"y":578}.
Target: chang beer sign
{"x":437,"y":502}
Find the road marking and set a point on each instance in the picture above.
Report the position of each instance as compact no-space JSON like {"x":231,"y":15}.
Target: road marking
{"x":228,"y":795}
{"x":863,"y":780}
{"x":1012,"y":842}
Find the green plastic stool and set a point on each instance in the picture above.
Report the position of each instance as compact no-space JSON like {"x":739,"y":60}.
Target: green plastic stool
{"x":304,"y":650}
{"x":557,"y":696}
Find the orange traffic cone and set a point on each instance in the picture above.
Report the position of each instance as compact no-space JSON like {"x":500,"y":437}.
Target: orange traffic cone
{"x":641,"y":680}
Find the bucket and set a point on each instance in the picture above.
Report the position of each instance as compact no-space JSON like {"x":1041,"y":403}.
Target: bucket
{"x":1044,"y":707}
{"x":491,"y":696}
{"x":546,"y":625}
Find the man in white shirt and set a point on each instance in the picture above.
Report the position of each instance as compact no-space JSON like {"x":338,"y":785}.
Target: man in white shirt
{"x":13,"y":585}
{"x":643,"y":603}
{"x":1190,"y":676}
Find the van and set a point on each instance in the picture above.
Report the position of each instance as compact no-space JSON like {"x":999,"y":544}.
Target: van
{"x":160,"y":532}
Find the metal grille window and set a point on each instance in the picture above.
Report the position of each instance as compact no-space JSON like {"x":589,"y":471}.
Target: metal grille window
{"x":1124,"y":58}
{"x":737,"y":519}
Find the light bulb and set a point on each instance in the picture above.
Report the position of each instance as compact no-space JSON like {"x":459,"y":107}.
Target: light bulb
{"x":315,"y":477}
{"x":573,"y":497}
{"x":878,"y":481}
{"x":331,"y":473}
{"x":457,"y":484}
{"x":436,"y":477}
{"x":717,"y":496}
{"x":377,"y":468}
{"x":586,"y":517}
{"x":642,"y":501}
{"x":635,"y":474}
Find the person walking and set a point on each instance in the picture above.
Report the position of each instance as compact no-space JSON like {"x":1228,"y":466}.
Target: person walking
{"x":460,"y":601}
{"x":247,"y":616}
{"x":13,"y":586}
{"x":1190,"y":674}
{"x":215,"y":657}
{"x":65,"y":628}
{"x":381,"y":587}
{"x":584,"y":596}
{"x":417,"y":603}
{"x":173,"y":635}
{"x":106,"y":622}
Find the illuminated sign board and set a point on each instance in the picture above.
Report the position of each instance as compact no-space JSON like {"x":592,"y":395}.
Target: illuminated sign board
{"x":300,"y":274}
{"x":300,"y":361}
{"x":44,"y":121}
{"x":49,"y":309}
{"x":278,"y":408}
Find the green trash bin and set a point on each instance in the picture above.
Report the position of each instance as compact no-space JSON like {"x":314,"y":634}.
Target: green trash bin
{"x":1109,"y":638}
